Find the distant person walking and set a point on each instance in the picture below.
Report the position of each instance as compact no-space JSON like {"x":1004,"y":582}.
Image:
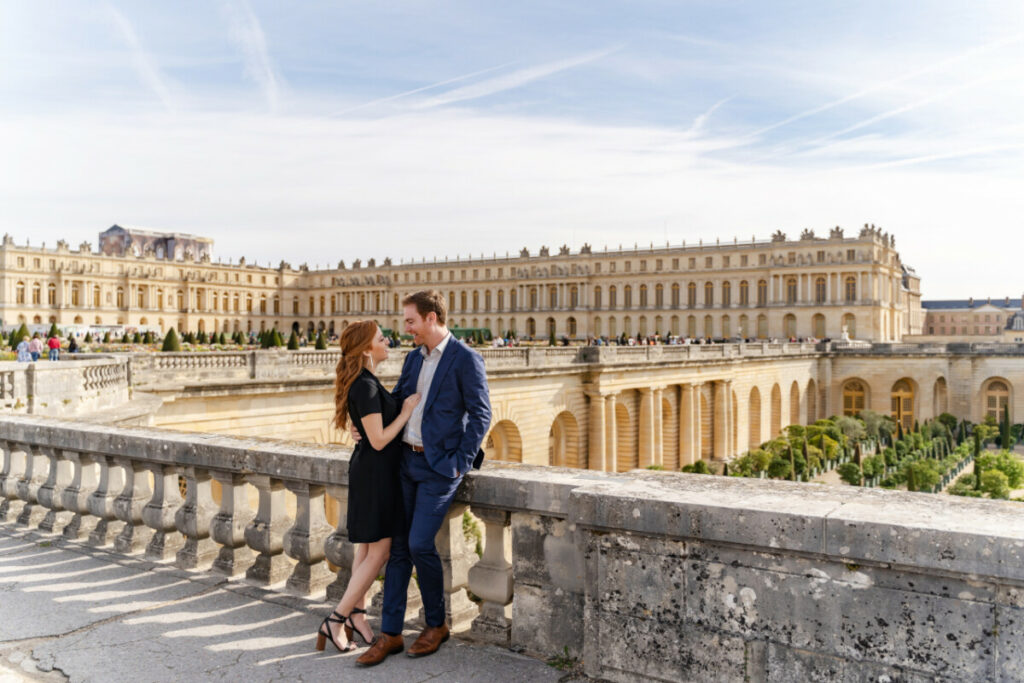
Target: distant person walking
{"x":24,"y":355}
{"x":54,"y":345}
{"x":35,"y":347}
{"x":72,"y":346}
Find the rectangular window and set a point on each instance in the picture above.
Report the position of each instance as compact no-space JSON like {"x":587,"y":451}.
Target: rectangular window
{"x":611,"y":267}
{"x":53,"y":264}
{"x":708,"y":262}
{"x":476,"y":276}
{"x":791,"y":257}
{"x":597,"y":267}
{"x":725,"y":261}
{"x":743,"y":260}
{"x":500,"y":271}
{"x":628,"y":266}
{"x":693,"y":263}
{"x":851,"y":254}
{"x":487,"y":273}
{"x":675,"y":264}
{"x":821,"y":257}
{"x":657,"y":264}
{"x":643,"y":265}
{"x":21,"y":261}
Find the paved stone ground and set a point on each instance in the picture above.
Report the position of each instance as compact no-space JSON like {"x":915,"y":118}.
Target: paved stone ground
{"x":68,"y":612}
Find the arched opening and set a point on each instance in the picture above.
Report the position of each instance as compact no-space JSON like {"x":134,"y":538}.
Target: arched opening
{"x":571,"y":323}
{"x":776,"y":422}
{"x":854,"y":397}
{"x":754,"y":418}
{"x":997,"y":397}
{"x":762,"y":326}
{"x":551,"y":327}
{"x":504,"y":442}
{"x":902,"y":396}
{"x":818,"y":325}
{"x":789,"y":326}
{"x":812,"y":402}
{"x":850,"y":325}
{"x":794,"y":404}
{"x":940,"y":397}
{"x":531,"y":327}
{"x":625,"y":436}
{"x":564,"y":441}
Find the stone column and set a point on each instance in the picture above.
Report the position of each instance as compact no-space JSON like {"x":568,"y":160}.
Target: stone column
{"x":128,"y":507}
{"x":337,"y":548}
{"x":646,"y":428}
{"x":611,"y":441}
{"x":266,"y":532}
{"x":730,"y":440}
{"x":689,"y":424}
{"x":720,"y":423}
{"x":159,"y":513}
{"x":228,"y":526}
{"x":596,"y":446}
{"x":37,"y":467}
{"x":76,"y":495}
{"x":193,"y":521}
{"x":456,"y":559}
{"x":659,"y":426}
{"x":13,"y":469}
{"x":491,"y":578}
{"x":304,"y":541}
{"x":101,"y":502}
{"x":51,"y":492}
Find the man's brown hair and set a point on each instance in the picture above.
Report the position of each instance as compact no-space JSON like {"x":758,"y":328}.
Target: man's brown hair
{"x":428,"y":301}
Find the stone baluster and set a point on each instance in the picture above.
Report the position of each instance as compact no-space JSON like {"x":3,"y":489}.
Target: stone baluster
{"x":37,"y":467}
{"x":456,"y":558}
{"x":228,"y":526}
{"x":159,"y":513}
{"x":304,"y":541}
{"x":76,"y":496}
{"x":101,"y":502}
{"x":193,"y":521}
{"x":266,"y":532}
{"x":337,"y":548}
{"x":13,"y":469}
{"x":491,"y":578}
{"x":51,"y":493}
{"x":128,"y":507}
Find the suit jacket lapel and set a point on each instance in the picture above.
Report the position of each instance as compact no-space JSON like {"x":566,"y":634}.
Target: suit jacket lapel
{"x":442,"y":368}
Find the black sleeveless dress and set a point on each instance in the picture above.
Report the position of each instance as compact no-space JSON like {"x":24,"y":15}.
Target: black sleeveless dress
{"x":374,"y":493}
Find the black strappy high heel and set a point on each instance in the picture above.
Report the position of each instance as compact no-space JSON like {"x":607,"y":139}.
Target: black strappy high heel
{"x":324,"y":634}
{"x":351,"y":626}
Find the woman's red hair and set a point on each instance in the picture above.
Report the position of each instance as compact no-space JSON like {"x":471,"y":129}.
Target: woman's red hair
{"x":355,"y":340}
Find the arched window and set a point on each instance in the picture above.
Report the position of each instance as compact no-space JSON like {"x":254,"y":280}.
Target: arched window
{"x":574,"y":297}
{"x":295,"y":305}
{"x":726,"y":295}
{"x":818,"y":323}
{"x":451,"y":301}
{"x":476,"y":301}
{"x":791,"y":288}
{"x":51,"y":295}
{"x":659,"y":296}
{"x":854,"y":396}
{"x":675,"y":295}
{"x":572,"y":327}
{"x":553,"y":297}
{"x":19,"y":293}
{"x":643,"y":296}
{"x":997,"y":398}
{"x":850,"y":288}
{"x":762,"y":292}
{"x":37,"y":293}
{"x":709,"y":295}
{"x":762,"y":326}
{"x":789,"y":326}
{"x":613,"y":296}
{"x":627,"y":296}
{"x":597,"y":297}
{"x":551,"y":326}
{"x":709,"y":326}
{"x":487,"y":299}
{"x":277,"y":305}
{"x":691,"y":326}
{"x":744,"y":330}
{"x":463,"y":298}
{"x":850,"y":325}
{"x":533,"y":298}
{"x":903,"y":404}
{"x":263,"y":303}
{"x":726,"y":327}
{"x":819,"y":290}
{"x":744,"y":293}
{"x":531,"y":327}
{"x":691,"y":295}
{"x":501,"y":301}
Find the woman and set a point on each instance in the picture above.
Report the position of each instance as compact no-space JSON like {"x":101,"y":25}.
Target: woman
{"x":374,"y":496}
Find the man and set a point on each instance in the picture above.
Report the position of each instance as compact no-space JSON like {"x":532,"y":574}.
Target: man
{"x":441,"y":442}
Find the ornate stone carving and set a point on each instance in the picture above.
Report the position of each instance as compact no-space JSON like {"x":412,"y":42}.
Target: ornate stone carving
{"x":807,"y":234}
{"x":585,"y":249}
{"x":524,"y":252}
{"x":563,"y":250}
{"x":779,"y":236}
{"x":836,"y":233}
{"x":544,"y":251}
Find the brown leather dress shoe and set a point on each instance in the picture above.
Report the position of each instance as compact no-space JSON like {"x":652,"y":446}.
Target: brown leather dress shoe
{"x":428,"y":642}
{"x":383,"y":646}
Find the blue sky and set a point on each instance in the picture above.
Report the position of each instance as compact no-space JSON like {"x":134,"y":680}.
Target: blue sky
{"x":319,"y":131}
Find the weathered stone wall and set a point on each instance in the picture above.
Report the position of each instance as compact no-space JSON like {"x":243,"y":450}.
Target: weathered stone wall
{"x":62,"y":388}
{"x":642,"y":575}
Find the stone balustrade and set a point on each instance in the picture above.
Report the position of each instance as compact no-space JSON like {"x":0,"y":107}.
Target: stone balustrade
{"x":48,"y":388}
{"x":642,"y":575}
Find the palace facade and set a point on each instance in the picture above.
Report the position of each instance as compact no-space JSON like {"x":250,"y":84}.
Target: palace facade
{"x":811,"y":286}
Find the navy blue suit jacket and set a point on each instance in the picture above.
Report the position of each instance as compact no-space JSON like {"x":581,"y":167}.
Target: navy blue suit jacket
{"x":457,"y":410}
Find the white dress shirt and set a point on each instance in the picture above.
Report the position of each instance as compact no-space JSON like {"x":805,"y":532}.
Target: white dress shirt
{"x":413,"y":428}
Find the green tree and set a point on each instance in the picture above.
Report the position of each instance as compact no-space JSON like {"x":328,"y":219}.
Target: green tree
{"x":995,"y":484}
{"x":171,"y":342}
{"x":551,"y":338}
{"x":948,"y":419}
{"x":106,"y":337}
{"x":136,"y":338}
{"x":18,"y":335}
{"x":780,"y":468}
{"x":852,"y":428}
{"x":54,"y":332}
{"x":321,"y":343}
{"x":148,"y":338}
{"x":922,"y":475}
{"x":221,"y":340}
{"x":293,"y":342}
{"x":850,"y":473}
{"x":699,"y":467}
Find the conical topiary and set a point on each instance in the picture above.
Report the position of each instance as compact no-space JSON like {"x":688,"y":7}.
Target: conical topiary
{"x":221,"y":340}
{"x":293,"y":342}
{"x":54,"y":332}
{"x":278,"y":339}
{"x":19,"y":334}
{"x":321,"y":343}
{"x":136,"y":338}
{"x":106,"y":337}
{"x":148,"y":338}
{"x":171,"y":342}
{"x":88,"y":338}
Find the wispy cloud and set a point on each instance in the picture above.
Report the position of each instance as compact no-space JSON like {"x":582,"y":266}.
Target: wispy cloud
{"x":246,"y":32}
{"x":702,"y":119}
{"x":424,"y":88}
{"x":515,"y":79}
{"x":889,"y":83}
{"x":144,"y":65}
